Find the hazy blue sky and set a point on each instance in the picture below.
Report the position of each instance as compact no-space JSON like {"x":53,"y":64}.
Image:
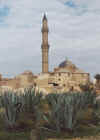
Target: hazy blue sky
{"x":74,"y":33}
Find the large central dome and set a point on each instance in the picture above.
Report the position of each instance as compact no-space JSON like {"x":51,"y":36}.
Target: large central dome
{"x":66,"y":63}
{"x":68,"y":66}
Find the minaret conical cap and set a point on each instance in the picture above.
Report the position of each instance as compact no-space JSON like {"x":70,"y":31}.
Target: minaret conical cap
{"x":44,"y":18}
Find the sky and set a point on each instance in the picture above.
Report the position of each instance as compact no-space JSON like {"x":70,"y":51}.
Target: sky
{"x":74,"y":27}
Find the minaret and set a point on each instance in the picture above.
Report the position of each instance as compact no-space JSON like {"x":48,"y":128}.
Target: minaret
{"x":45,"y":45}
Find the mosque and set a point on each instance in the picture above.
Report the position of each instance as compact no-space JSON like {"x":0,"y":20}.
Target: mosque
{"x":67,"y":76}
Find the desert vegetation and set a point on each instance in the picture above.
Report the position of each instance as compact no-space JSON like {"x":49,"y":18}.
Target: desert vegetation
{"x":66,"y":115}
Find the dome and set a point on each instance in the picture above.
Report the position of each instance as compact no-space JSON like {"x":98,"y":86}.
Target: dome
{"x":69,"y":66}
{"x":63,"y":64}
{"x":66,"y":63}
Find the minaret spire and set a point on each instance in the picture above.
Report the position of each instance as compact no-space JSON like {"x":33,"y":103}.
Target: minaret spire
{"x":44,"y":18}
{"x":45,"y":45}
{"x":45,"y":24}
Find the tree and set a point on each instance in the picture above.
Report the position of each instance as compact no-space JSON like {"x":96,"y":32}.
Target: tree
{"x":97,"y":77}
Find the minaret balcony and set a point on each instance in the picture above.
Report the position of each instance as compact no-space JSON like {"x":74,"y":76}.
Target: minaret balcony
{"x":45,"y":46}
{"x":45,"y":30}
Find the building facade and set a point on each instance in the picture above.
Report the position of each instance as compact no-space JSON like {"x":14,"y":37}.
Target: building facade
{"x":68,"y":76}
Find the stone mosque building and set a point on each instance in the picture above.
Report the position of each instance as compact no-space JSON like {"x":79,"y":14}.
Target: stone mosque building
{"x":65,"y":77}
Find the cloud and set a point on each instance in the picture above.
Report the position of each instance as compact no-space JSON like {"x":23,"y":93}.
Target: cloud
{"x":4,"y":11}
{"x":74,"y":32}
{"x":80,"y":7}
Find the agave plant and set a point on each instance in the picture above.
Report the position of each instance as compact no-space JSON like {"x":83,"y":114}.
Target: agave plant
{"x":65,"y":107}
{"x":30,"y":100}
{"x":15,"y":102}
{"x":11,"y":111}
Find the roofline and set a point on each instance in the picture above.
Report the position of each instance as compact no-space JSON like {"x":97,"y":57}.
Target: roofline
{"x":72,"y":73}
